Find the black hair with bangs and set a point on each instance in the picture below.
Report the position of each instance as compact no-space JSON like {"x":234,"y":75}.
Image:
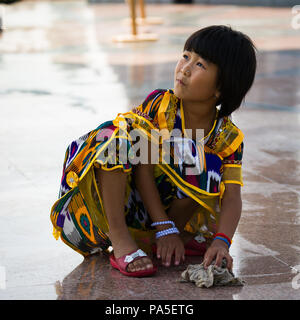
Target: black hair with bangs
{"x":234,"y":54}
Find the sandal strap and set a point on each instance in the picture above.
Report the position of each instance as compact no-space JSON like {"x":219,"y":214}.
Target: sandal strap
{"x":138,"y":253}
{"x":199,"y":238}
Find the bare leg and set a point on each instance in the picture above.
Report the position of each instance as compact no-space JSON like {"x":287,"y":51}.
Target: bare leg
{"x":111,"y":185}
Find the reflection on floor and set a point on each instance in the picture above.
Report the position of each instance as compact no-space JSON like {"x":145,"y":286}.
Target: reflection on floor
{"x":61,"y":75}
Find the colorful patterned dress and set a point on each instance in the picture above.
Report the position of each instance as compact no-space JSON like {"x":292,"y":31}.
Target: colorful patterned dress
{"x":78,"y":215}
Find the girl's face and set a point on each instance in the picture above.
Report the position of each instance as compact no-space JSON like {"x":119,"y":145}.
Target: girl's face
{"x":195,"y":79}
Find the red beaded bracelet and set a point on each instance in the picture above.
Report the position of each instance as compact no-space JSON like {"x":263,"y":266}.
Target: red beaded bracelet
{"x":224,"y":236}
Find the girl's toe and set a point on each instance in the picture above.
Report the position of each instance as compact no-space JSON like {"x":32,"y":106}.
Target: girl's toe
{"x":141,"y":264}
{"x":131,"y":267}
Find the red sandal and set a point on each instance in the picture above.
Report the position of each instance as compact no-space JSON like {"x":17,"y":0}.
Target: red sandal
{"x":195,"y":247}
{"x":122,"y":263}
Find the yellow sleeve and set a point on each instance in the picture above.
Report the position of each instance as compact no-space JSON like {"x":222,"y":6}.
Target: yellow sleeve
{"x":232,"y":167}
{"x":232,"y":174}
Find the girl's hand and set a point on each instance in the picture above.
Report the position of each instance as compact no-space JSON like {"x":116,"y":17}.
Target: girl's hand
{"x":218,"y":250}
{"x":166,"y":246}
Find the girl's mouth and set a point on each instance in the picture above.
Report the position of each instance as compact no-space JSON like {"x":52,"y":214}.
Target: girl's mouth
{"x":180,"y":82}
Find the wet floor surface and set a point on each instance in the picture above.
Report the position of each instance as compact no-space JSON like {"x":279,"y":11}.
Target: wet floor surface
{"x":61,"y":75}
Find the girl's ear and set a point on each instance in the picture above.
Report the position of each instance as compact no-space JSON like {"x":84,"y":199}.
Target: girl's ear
{"x":217,"y":97}
{"x":218,"y":90}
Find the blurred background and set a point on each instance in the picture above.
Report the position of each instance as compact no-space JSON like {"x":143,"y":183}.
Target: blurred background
{"x":61,"y":75}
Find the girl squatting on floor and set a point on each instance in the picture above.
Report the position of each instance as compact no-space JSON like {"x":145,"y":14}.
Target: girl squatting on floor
{"x":107,"y":199}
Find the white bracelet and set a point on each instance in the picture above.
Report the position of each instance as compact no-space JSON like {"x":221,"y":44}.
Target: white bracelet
{"x":159,"y":223}
{"x":166,"y":232}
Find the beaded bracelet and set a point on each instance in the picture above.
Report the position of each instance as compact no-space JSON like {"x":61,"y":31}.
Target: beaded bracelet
{"x":163,"y":222}
{"x":166,"y":232}
{"x":224,"y":239}
{"x":224,"y":236}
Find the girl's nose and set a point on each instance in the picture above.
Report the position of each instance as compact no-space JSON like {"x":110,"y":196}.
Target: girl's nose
{"x":186,"y":71}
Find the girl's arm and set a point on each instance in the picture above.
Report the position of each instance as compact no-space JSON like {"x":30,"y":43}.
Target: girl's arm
{"x":166,"y":245}
{"x":229,"y":218}
{"x":144,"y":180}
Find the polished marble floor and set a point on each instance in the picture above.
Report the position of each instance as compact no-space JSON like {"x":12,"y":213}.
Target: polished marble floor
{"x":62,"y":75}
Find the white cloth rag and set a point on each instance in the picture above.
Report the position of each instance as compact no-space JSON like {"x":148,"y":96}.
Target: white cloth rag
{"x":212,"y":276}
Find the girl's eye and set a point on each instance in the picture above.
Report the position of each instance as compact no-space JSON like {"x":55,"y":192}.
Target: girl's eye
{"x":185,"y":56}
{"x":201,"y":65}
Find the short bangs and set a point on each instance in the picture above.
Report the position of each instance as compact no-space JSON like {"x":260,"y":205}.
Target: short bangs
{"x":234,"y":54}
